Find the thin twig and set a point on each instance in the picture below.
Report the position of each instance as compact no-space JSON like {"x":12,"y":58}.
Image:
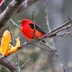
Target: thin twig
{"x":17,"y":62}
{"x":66,"y":33}
{"x":46,"y":12}
{"x":26,"y":62}
{"x":64,"y":26}
{"x":14,"y":23}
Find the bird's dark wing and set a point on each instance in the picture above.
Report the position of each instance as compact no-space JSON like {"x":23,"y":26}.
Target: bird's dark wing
{"x":37,"y":28}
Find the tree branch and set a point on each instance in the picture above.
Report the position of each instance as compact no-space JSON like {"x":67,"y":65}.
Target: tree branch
{"x":11,"y":8}
{"x":65,"y":26}
{"x":10,"y":65}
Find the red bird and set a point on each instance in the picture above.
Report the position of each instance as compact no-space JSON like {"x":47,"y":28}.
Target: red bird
{"x":30,"y":29}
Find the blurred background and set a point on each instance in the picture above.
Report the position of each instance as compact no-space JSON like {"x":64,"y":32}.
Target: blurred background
{"x":42,"y":61}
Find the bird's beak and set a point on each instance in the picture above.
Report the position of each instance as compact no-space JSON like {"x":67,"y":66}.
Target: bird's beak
{"x":19,"y":21}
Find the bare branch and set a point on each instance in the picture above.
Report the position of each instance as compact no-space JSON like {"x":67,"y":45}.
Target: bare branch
{"x":10,"y":65}
{"x":23,"y":65}
{"x":53,"y":33}
{"x":8,"y":12}
{"x":11,"y":8}
{"x":25,"y":4}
